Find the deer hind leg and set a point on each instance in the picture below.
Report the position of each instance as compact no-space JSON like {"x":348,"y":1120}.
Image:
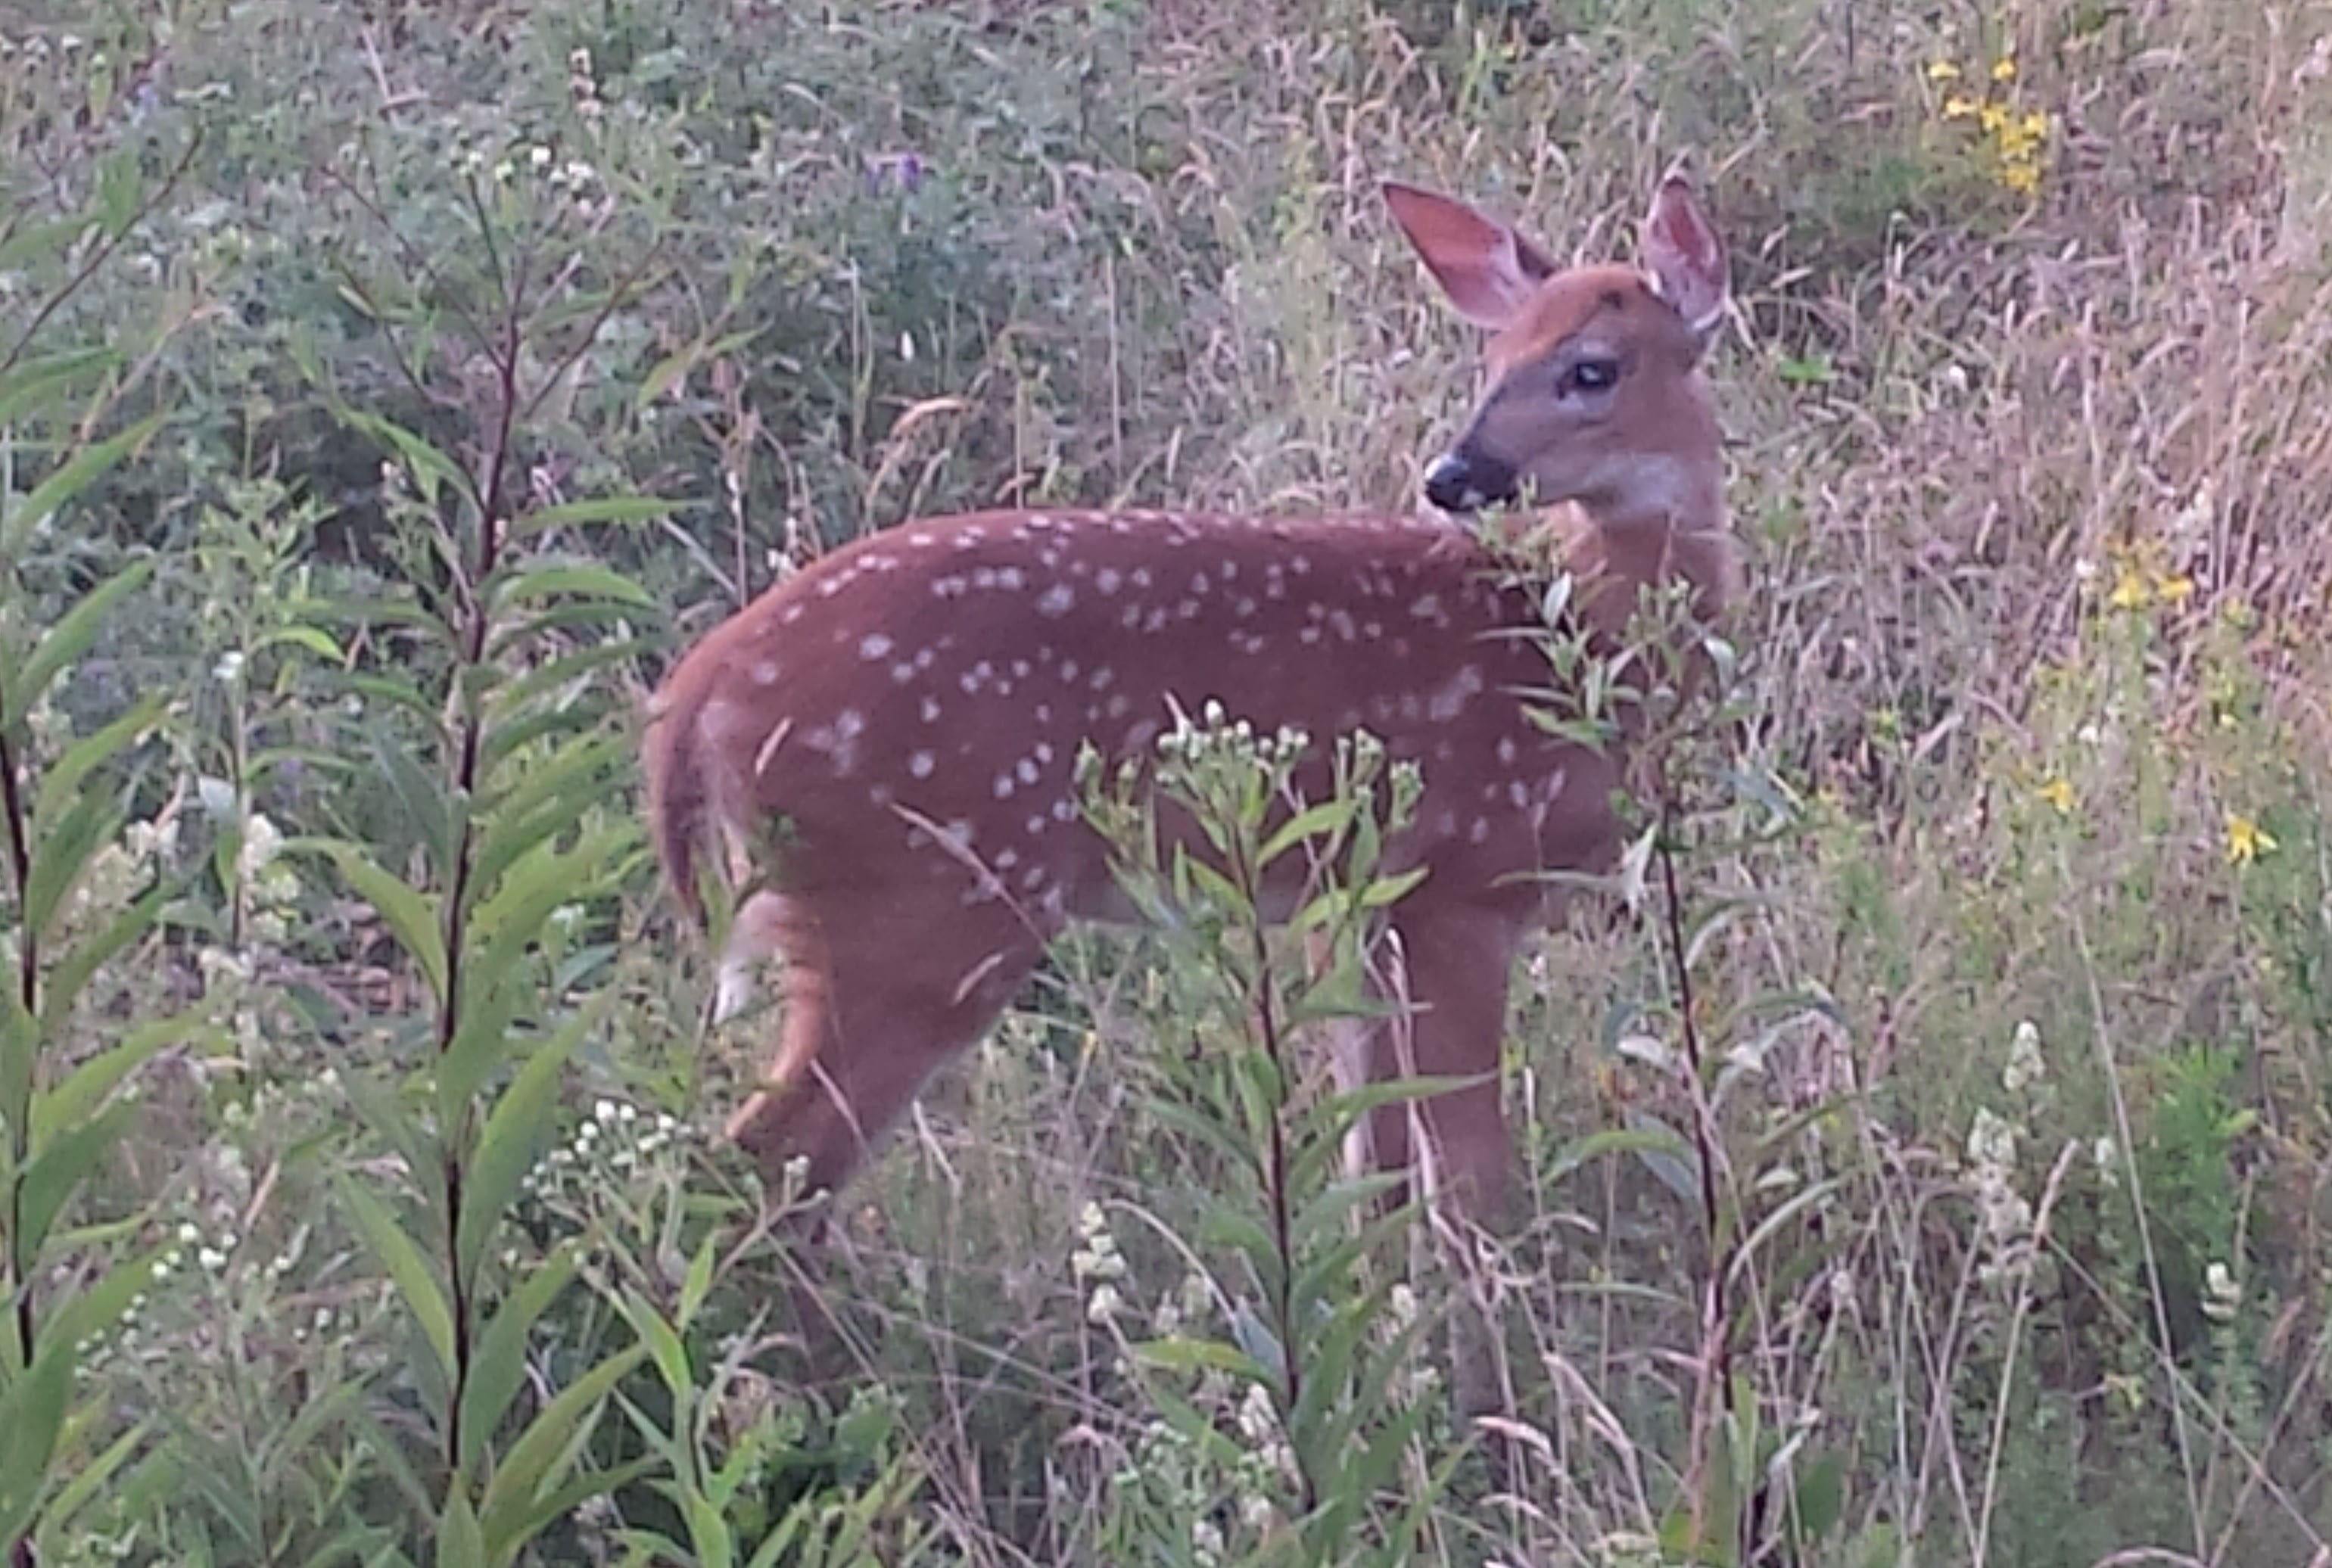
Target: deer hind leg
{"x":1453,"y":962}
{"x":882,"y":988}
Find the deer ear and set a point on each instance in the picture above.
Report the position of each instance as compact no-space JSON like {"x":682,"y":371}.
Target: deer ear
{"x":1685,"y":256}
{"x":1485,"y":268}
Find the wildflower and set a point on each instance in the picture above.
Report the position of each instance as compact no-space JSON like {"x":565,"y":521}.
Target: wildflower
{"x":2005,"y":69}
{"x":2246,"y":839}
{"x":2129,"y":590}
{"x":2059,"y":792}
{"x":2175,"y":589}
{"x":2025,"y":1066}
{"x":1958,"y":107}
{"x":1942,"y":70}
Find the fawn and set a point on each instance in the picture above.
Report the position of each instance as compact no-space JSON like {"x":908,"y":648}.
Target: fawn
{"x":882,"y":744}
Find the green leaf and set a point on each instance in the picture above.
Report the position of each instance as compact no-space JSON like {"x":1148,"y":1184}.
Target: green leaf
{"x":1820,"y":1499}
{"x":411,"y":915}
{"x":461,"y":1543}
{"x":51,"y":1178}
{"x":597,"y":509}
{"x":70,"y":973}
{"x":421,"y":795}
{"x":513,"y":1137}
{"x":31,"y":1414}
{"x":671,"y":1355}
{"x":313,"y":639}
{"x":698,"y":1282}
{"x":78,"y":1097}
{"x":63,"y":778}
{"x":61,"y":857}
{"x":415,"y":1281}
{"x":120,"y":192}
{"x":1330,"y":816}
{"x":33,"y":383}
{"x":93,"y":1475}
{"x":1184,"y":1354}
{"x":528,"y":1519}
{"x":71,"y":477}
{"x":527,"y":1463}
{"x":593,"y":581}
{"x":55,"y":236}
{"x":20,"y":1050}
{"x":72,"y":636}
{"x":499,"y":1367}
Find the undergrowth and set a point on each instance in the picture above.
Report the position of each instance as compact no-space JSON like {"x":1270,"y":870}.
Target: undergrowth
{"x":1924,"y":1140}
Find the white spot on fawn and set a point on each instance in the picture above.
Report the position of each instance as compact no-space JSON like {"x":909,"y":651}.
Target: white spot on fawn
{"x":1056,"y":600}
{"x":1450,"y":700}
{"x":921,"y":764}
{"x":765,"y":672}
{"x":931,"y":709}
{"x":872,"y":646}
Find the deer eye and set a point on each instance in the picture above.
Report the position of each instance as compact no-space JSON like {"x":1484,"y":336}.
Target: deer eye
{"x":1591,"y":375}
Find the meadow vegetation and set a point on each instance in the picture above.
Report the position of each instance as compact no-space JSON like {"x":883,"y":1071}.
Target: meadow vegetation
{"x":1926,"y":1143}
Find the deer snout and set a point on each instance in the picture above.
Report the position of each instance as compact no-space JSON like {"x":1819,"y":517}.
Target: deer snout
{"x":1465,"y":481}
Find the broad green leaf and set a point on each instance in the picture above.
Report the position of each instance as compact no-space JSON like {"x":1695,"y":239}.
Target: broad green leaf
{"x":20,"y":1051}
{"x":61,"y":857}
{"x":121,"y":191}
{"x":499,"y":1367}
{"x":1327,"y":818}
{"x":625,"y":509}
{"x":550,"y":681}
{"x":422,"y":796}
{"x":513,"y":1137}
{"x":87,"y":1084}
{"x":75,"y":474}
{"x":698,"y":1282}
{"x":593,"y":581}
{"x":51,"y":1177}
{"x":410,"y":915}
{"x":33,"y":383}
{"x":71,"y":972}
{"x":515,"y":915}
{"x":32,"y":1412}
{"x":94,"y":1474}
{"x":313,"y":639}
{"x":62,"y":779}
{"x":461,"y":1543}
{"x":55,"y":236}
{"x":415,"y":1279}
{"x":483,"y":1040}
{"x":528,"y":1519}
{"x":527,"y":1463}
{"x":73,"y":635}
{"x":1183,"y":1354}
{"x":671,"y":1355}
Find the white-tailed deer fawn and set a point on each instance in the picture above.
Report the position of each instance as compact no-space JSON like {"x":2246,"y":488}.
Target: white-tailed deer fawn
{"x":885,"y":742}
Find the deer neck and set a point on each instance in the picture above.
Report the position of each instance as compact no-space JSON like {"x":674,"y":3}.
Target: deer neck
{"x":1612,"y":555}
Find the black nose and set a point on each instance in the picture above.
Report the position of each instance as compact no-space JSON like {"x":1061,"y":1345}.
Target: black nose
{"x":1460,"y":482}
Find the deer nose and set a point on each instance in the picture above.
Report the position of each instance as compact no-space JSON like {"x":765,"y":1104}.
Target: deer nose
{"x":1462,"y":481}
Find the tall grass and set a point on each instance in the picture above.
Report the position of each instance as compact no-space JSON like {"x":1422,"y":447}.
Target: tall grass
{"x":1933,"y":1174}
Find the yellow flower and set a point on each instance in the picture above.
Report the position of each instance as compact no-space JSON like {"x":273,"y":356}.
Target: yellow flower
{"x":2246,"y":839}
{"x":2175,"y":590}
{"x":2022,"y":178}
{"x":1958,"y":107}
{"x":2059,"y":792}
{"x":2004,"y":68}
{"x":2129,"y":590}
{"x":1942,"y":70}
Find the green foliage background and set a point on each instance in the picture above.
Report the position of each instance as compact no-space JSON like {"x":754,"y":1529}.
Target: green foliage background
{"x":387,"y":391}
